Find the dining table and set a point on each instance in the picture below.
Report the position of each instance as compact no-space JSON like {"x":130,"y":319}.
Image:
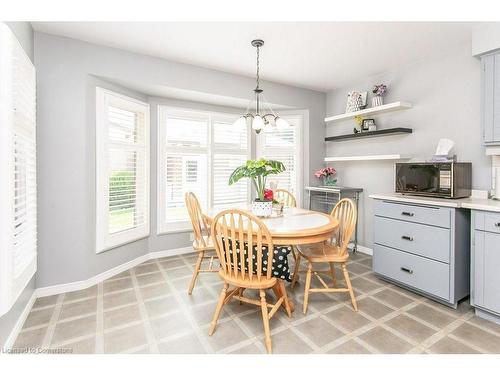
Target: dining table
{"x":296,"y":226}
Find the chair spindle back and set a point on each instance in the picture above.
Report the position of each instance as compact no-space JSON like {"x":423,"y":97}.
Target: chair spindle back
{"x":201,"y":231}
{"x":286,"y":197}
{"x":345,"y":212}
{"x":232,"y":231}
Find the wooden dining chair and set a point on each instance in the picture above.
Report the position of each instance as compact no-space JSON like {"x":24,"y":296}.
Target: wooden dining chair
{"x":283,"y":195}
{"x":331,"y":252}
{"x":245,"y":249}
{"x":202,"y":243}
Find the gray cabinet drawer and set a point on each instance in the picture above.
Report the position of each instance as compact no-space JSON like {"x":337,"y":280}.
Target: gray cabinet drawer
{"x":420,"y":273}
{"x":487,"y":221}
{"x":419,"y":239}
{"x":438,"y":216}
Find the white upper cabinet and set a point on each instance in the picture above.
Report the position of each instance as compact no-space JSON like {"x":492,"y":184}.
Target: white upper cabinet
{"x":18,"y":227}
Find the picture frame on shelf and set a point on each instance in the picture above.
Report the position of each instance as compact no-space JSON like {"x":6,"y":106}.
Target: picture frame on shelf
{"x":368,"y":125}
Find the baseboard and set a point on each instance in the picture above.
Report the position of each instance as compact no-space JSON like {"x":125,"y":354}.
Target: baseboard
{"x":365,"y":250}
{"x":9,"y":343}
{"x":79,"y":285}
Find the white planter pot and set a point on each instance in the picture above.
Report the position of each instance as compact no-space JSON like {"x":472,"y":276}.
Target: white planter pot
{"x":262,"y":209}
{"x":377,"y":101}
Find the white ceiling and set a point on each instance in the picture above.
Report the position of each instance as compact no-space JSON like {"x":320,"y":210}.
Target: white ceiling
{"x":319,"y":55}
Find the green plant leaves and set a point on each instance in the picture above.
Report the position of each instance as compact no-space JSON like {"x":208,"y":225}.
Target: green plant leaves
{"x":256,"y":168}
{"x":257,"y":171}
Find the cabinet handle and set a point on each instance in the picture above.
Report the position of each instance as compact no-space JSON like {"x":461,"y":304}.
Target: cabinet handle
{"x":405,"y":213}
{"x":407,"y":270}
{"x":497,"y":225}
{"x":407,"y":238}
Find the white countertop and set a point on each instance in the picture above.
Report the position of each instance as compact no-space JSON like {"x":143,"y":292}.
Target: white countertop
{"x":481,"y":204}
{"x":470,"y":203}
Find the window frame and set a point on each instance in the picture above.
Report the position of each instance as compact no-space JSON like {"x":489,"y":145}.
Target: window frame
{"x":164,"y":227}
{"x":104,"y":239}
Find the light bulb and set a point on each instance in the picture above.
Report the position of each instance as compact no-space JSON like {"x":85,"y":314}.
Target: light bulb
{"x":241,"y":123}
{"x":268,"y":128}
{"x":281,"y":124}
{"x":257,"y":123}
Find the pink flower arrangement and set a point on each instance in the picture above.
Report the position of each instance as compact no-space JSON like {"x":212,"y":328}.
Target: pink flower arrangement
{"x":325,"y":172}
{"x":379,"y":90}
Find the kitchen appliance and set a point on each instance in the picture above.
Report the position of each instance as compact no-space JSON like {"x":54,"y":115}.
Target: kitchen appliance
{"x":440,"y":180}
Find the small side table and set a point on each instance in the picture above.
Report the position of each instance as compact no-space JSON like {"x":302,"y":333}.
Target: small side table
{"x":324,"y":198}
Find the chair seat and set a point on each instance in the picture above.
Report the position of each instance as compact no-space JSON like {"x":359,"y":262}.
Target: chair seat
{"x":322,"y":252}
{"x":245,"y":282}
{"x":198,"y":245}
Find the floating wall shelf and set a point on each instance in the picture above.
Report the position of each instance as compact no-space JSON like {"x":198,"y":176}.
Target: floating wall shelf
{"x":368,"y":134}
{"x":390,"y":107}
{"x":367,"y":157}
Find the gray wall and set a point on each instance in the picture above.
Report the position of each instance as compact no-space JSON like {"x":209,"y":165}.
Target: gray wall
{"x":67,"y":76}
{"x":24,"y":33}
{"x":444,"y":91}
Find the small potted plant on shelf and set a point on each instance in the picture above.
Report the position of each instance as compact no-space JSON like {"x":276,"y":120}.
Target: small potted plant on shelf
{"x":327,"y":174}
{"x":257,"y":171}
{"x":379,"y":91}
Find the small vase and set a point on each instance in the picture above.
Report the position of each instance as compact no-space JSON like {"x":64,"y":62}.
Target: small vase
{"x":377,"y":101}
{"x":262,"y":208}
{"x":329,"y":181}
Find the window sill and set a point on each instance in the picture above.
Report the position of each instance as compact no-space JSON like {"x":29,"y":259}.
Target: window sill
{"x":180,"y":229}
{"x":123,"y":243}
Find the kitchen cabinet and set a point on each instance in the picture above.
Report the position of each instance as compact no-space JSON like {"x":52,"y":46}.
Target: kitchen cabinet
{"x":424,"y":248}
{"x":490,"y":98}
{"x":485,"y":277}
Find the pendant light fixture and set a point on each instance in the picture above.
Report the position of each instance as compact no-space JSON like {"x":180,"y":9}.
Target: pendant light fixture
{"x":263,"y":118}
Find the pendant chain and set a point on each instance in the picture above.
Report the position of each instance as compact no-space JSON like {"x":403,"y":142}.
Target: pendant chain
{"x":258,"y":68}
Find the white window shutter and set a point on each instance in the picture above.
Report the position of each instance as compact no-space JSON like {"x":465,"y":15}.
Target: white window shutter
{"x":197,"y":152}
{"x":18,"y":227}
{"x":230,"y":150}
{"x":122,"y":169}
{"x":285,"y":146}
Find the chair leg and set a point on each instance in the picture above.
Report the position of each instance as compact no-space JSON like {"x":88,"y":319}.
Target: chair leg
{"x":285,"y":296}
{"x":240,"y":293}
{"x":349,"y":286}
{"x":307,"y":286}
{"x":265,"y":319}
{"x":218,"y":309}
{"x":295,"y":276}
{"x":332,"y":271}
{"x":196,"y":272}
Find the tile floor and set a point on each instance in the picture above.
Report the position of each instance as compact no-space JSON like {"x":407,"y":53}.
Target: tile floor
{"x":147,"y":310}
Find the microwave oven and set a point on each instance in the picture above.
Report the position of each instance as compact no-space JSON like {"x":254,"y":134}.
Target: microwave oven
{"x":434,"y":179}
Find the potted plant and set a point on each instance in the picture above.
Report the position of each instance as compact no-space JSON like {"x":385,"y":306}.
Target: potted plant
{"x":327,"y":174}
{"x":379,"y":91}
{"x":257,"y":171}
